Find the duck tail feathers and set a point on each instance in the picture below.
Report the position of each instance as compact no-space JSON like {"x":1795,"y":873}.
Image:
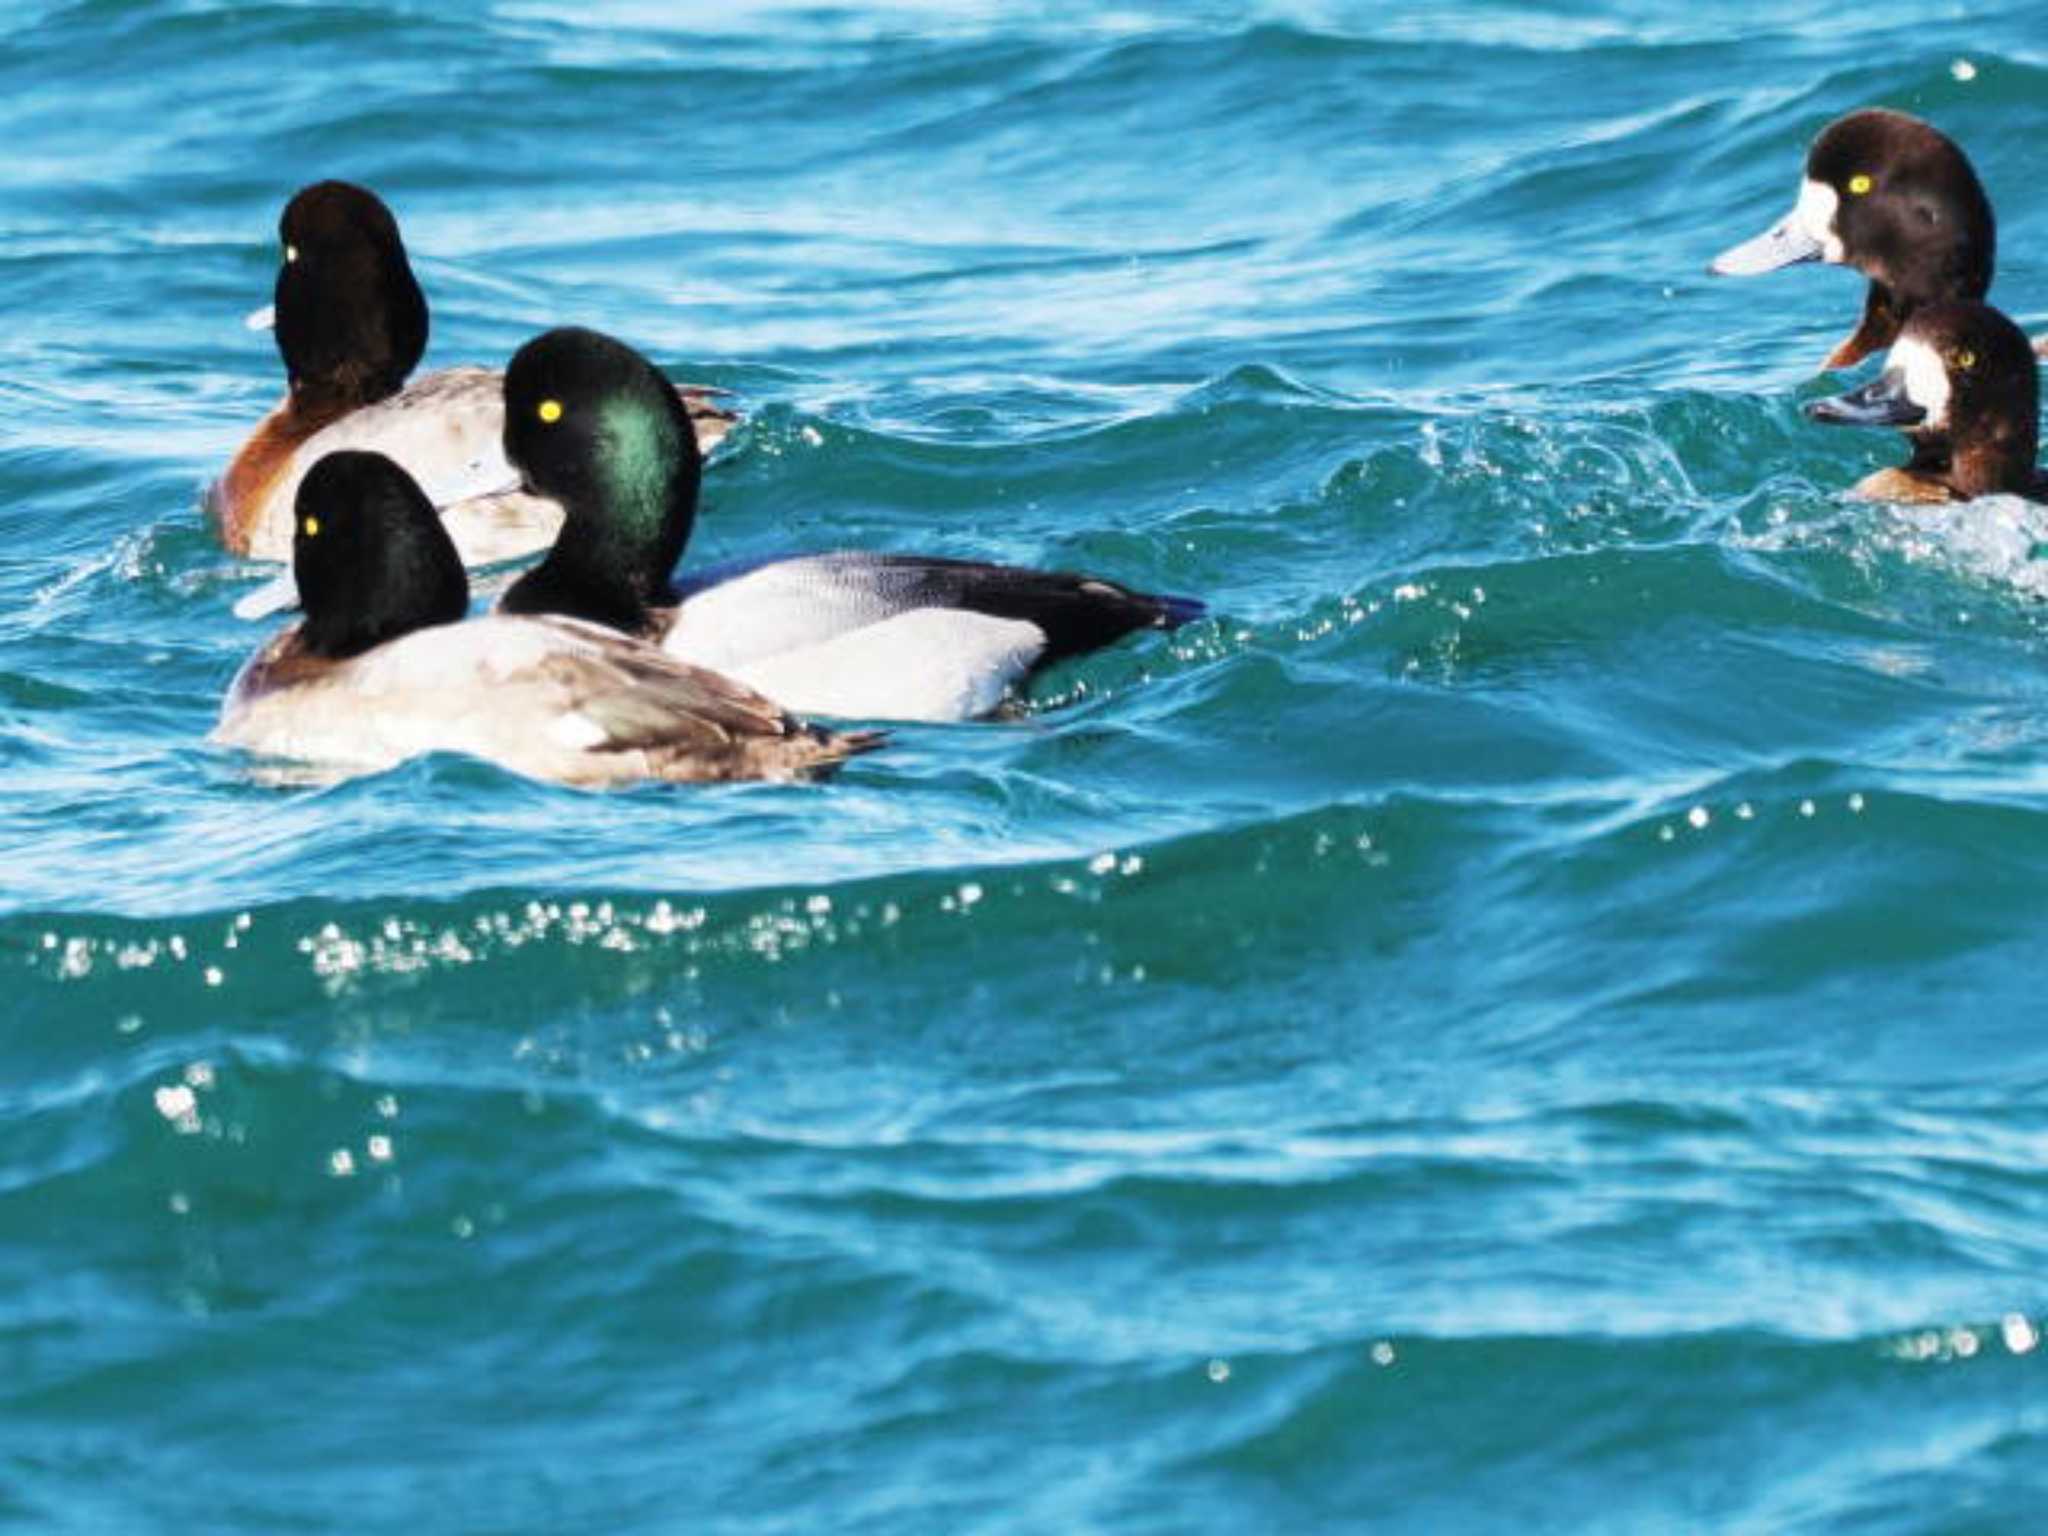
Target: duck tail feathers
{"x":818,"y":753}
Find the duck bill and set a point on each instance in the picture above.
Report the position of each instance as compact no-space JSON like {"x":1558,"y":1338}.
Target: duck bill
{"x":1785,"y":244}
{"x":1883,"y":402}
{"x":274,"y":596}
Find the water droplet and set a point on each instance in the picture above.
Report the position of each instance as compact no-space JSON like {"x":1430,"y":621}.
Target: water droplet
{"x":2020,"y":1334}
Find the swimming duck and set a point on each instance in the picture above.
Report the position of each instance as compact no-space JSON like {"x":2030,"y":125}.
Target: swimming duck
{"x":591,"y":423}
{"x":1964,"y":385}
{"x":385,"y":666}
{"x":1896,"y":199}
{"x":351,"y":324}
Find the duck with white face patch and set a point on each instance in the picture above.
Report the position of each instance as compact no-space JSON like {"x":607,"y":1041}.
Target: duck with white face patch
{"x":1897,"y":200}
{"x":1964,"y":385}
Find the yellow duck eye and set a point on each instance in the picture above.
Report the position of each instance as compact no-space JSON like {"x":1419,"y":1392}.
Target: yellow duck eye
{"x":1964,"y":361}
{"x":291,"y":253}
{"x":550,"y":411}
{"x":1860,"y":184}
{"x":311,"y":527}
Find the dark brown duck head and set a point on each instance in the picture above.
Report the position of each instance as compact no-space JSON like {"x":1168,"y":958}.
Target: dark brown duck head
{"x":1963,"y":383}
{"x":1897,"y":200}
{"x":370,"y":557}
{"x":351,"y":320}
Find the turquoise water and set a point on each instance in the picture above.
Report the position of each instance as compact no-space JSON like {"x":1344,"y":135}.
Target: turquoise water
{"x":1524,"y":1021}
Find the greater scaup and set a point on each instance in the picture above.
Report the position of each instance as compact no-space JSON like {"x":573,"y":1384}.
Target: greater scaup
{"x":591,"y":423}
{"x":1899,"y":201}
{"x":385,"y":666}
{"x":1963,"y":383}
{"x":351,"y":324}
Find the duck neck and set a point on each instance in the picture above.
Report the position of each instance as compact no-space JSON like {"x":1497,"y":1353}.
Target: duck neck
{"x":1877,"y":330}
{"x":612,"y":563}
{"x":308,"y":409}
{"x":333,"y":395}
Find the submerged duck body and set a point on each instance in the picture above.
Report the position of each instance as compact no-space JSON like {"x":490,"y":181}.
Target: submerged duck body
{"x":386,"y":667}
{"x":1895,"y":199}
{"x":351,"y":324}
{"x":1963,"y":384}
{"x":876,"y":636}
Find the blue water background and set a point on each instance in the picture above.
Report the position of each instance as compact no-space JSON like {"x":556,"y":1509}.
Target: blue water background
{"x":1527,"y":1020}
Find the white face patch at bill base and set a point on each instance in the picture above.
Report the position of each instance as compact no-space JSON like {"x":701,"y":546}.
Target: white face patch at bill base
{"x":1926,"y":375}
{"x":1815,"y":212}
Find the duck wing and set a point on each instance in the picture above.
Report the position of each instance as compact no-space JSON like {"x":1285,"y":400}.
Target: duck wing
{"x":554,"y":699}
{"x":737,"y":614}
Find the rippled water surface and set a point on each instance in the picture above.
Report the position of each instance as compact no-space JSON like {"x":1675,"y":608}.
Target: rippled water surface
{"x":1525,"y":1020}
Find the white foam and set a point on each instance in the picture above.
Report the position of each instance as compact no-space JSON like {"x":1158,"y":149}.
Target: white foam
{"x":1994,"y":539}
